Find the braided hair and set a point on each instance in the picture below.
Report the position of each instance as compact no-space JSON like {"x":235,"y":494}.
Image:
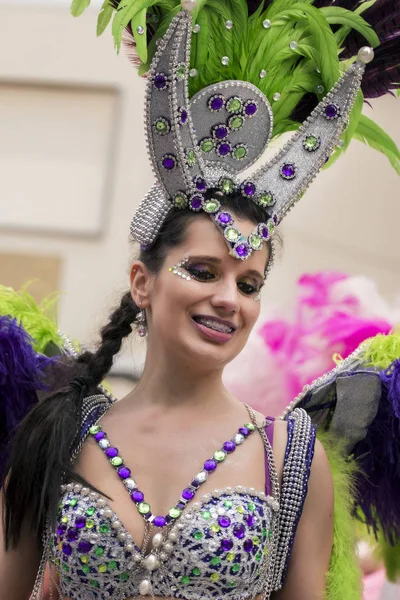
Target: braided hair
{"x":42,"y":447}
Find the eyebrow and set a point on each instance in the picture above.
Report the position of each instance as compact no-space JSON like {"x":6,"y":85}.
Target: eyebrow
{"x":218,"y":261}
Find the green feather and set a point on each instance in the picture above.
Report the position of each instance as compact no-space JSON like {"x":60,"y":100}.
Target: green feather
{"x":139,"y":20}
{"x":371,"y":134}
{"x":340,"y":16}
{"x":78,"y":7}
{"x":381,"y":350}
{"x":104,"y":17}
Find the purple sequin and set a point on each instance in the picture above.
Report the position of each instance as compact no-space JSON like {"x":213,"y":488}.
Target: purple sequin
{"x":112,"y":452}
{"x":137,"y":496}
{"x":288,"y":171}
{"x":80,"y":522}
{"x":224,"y":149}
{"x":248,"y":545}
{"x":249,"y":188}
{"x":250,"y":109}
{"x":226,"y":545}
{"x":200,"y":184}
{"x":224,"y":521}
{"x":220,"y":132}
{"x":61,"y":529}
{"x":159,"y":521}
{"x":224,"y":218}
{"x":196,"y":202}
{"x":331,"y":111}
{"x":160,"y":81}
{"x":239,"y":531}
{"x":72,"y":534}
{"x":229,"y":446}
{"x":183,"y":115}
{"x":99,"y":436}
{"x":169,"y":162}
{"x":244,"y":431}
{"x":210,"y":465}
{"x":84,"y":546}
{"x":188,"y":494}
{"x":263,"y":230}
{"x":67,"y":549}
{"x":216,"y":103}
{"x":124,"y":472}
{"x":250,"y":520}
{"x":242,"y":250}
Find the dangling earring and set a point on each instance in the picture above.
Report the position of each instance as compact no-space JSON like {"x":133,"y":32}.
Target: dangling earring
{"x":141,"y":323}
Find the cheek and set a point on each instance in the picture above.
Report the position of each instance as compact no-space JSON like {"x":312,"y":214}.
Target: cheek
{"x":250,"y":312}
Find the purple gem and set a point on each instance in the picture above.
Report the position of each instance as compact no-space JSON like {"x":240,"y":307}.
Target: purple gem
{"x":196,"y":202}
{"x":275,"y":219}
{"x":72,"y":534}
{"x":229,"y":446}
{"x":238,"y":531}
{"x":288,"y":171}
{"x":159,"y":521}
{"x":183,"y":115}
{"x":242,"y":250}
{"x":180,"y":505}
{"x":168,"y":519}
{"x":263,"y":229}
{"x":168,"y":162}
{"x":224,"y":218}
{"x":250,"y":109}
{"x":195,"y":483}
{"x":248,"y":545}
{"x":61,"y":529}
{"x":226,"y":545}
{"x":331,"y":111}
{"x":124,"y":472}
{"x":216,"y":103}
{"x":224,"y":521}
{"x":220,"y":132}
{"x":244,"y":431}
{"x":67,"y":549}
{"x":99,"y":436}
{"x":160,"y":81}
{"x":249,"y":189}
{"x":188,"y":494}
{"x":224,"y":149}
{"x":84,"y":546}
{"x":210,"y":465}
{"x":137,"y":496}
{"x":80,"y":522}
{"x":112,"y":452}
{"x":250,"y":520}
{"x":200,"y":184}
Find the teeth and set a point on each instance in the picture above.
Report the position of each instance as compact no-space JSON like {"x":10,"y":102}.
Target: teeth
{"x":211,"y":324}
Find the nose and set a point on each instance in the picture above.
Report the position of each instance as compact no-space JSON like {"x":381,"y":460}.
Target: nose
{"x":226,"y":296}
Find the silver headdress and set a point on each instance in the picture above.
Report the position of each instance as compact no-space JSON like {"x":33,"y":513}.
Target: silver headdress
{"x":206,"y":143}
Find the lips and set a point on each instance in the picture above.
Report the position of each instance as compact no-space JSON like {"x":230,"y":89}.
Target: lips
{"x":215,"y":324}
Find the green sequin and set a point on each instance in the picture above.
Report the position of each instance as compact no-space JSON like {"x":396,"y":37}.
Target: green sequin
{"x":185,"y":579}
{"x":206,"y":514}
{"x":271,"y":227}
{"x":240,"y":509}
{"x":215,"y":528}
{"x":104,"y":528}
{"x":124,"y":576}
{"x":73,"y":502}
{"x":231,"y":234}
{"x":214,"y":577}
{"x":311,"y":143}
{"x":64,"y":520}
{"x":219,"y":455}
{"x":180,"y":71}
{"x":94,"y":583}
{"x":251,"y":506}
{"x":94,"y":429}
{"x":240,"y":152}
{"x":256,"y":540}
{"x":112,"y":564}
{"x":258,"y":556}
{"x":230,"y":556}
{"x":207,"y":145}
{"x":228,"y":503}
{"x":99,"y":551}
{"x":236,"y":122}
{"x":90,"y":511}
{"x":175,"y":512}
{"x":191,"y":158}
{"x":116,"y":461}
{"x":89,"y":524}
{"x":196,"y":571}
{"x":231,"y":584}
{"x":234,"y":105}
{"x":180,"y":201}
{"x":249,"y":426}
{"x":198,"y":535}
{"x":266,"y":200}
{"x":215,"y":560}
{"x":226,"y":185}
{"x":269,"y":534}
{"x":255,"y":241}
{"x":235,"y":568}
{"x":144,"y":508}
{"x":161,"y":126}
{"x":86,"y":569}
{"x":211,"y":206}
{"x":84,"y":559}
{"x":264,"y":532}
{"x":103,"y":568}
{"x":65,"y":567}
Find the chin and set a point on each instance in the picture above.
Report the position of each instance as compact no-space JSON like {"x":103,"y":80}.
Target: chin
{"x":209,"y":353}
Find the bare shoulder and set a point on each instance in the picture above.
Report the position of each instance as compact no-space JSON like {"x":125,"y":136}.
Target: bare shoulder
{"x":321,"y":482}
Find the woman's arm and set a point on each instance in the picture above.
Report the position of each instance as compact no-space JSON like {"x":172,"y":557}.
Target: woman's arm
{"x":312,"y":547}
{"x":18,"y":566}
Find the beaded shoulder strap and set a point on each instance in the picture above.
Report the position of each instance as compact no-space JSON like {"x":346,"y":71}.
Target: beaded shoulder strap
{"x":296,"y":473}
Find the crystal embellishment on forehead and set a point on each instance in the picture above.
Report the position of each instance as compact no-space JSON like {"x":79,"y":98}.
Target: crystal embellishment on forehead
{"x":205,"y":144}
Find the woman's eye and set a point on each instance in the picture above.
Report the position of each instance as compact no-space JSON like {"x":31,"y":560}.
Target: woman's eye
{"x":200,"y":273}
{"x":248,"y":289}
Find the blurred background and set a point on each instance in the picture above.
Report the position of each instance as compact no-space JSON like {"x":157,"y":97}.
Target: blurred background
{"x":73,"y":168}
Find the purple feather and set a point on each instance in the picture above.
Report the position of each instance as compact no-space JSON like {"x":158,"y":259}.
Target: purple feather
{"x":21,"y":370}
{"x":378,"y":457}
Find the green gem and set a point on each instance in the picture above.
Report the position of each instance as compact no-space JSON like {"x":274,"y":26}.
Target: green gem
{"x":65,"y":567}
{"x":185,"y":579}
{"x":231,"y":234}
{"x":196,"y":571}
{"x":180,"y":71}
{"x":258,"y":556}
{"x":269,"y":534}
{"x":198,"y":535}
{"x":112,"y":564}
{"x":264,"y":532}
{"x":230,"y":556}
{"x":124,"y":576}
{"x":271,"y":227}
{"x":144,"y":508}
{"x":256,"y":540}
{"x":99,"y":551}
{"x":206,"y":514}
{"x":94,"y":583}
{"x":73,"y":502}
{"x":64,"y":519}
{"x":90,"y":511}
{"x":214,"y":577}
{"x":266,"y":199}
{"x":207,"y":145}
{"x":215,"y":560}
{"x":94,"y":429}
{"x":104,"y":528}
{"x":103,"y":568}
{"x":236,"y":122}
{"x":52,"y":543}
{"x":231,"y":584}
{"x":180,"y":201}
{"x":228,"y":503}
{"x":255,"y":241}
{"x":191,"y":158}
{"x":249,"y":426}
{"x":175,"y":512}
{"x":215,"y":528}
{"x":162,"y":126}
{"x":219,"y":455}
{"x":84,"y":559}
{"x":234,"y":105}
{"x":116,"y":461}
{"x":86,"y":569}
{"x":240,"y":152}
{"x":311,"y":143}
{"x":235,"y":568}
{"x":251,"y":506}
{"x":68,"y":579}
{"x":90,"y":524}
{"x":211,"y":206}
{"x":240,"y":509}
{"x":226,"y":185}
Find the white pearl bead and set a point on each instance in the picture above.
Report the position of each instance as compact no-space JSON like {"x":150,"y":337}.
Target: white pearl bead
{"x":266,"y":24}
{"x":276,"y":96}
{"x":129,"y":547}
{"x":340,"y":144}
{"x":137,"y":558}
{"x":77,"y":488}
{"x":365,"y":55}
{"x":144,"y":587}
{"x":116,"y":525}
{"x":151,"y":563}
{"x":189,"y":5}
{"x":193,"y":72}
{"x":263,"y":73}
{"x":85,"y":491}
{"x":228,"y":25}
{"x":93,"y":496}
{"x":225,"y":61}
{"x":157,"y":540}
{"x":168,"y":547}
{"x":196,"y":28}
{"x":122,"y":536}
{"x":293,"y":45}
{"x":101,"y":502}
{"x":319,"y":89}
{"x":70,"y":487}
{"x":172,"y":536}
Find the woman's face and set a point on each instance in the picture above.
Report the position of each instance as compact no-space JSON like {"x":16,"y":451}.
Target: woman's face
{"x":210,"y":317}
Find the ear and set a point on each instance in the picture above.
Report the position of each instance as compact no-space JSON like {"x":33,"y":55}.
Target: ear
{"x":140,"y":279}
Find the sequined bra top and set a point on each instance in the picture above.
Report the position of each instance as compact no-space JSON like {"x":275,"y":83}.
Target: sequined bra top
{"x":218,"y":545}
